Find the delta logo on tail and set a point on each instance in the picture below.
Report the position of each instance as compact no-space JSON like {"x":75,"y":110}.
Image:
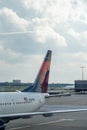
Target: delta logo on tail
{"x":41,"y":82}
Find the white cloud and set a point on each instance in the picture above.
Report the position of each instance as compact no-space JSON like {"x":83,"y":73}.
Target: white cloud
{"x":73,"y":33}
{"x":44,"y":32}
{"x":79,"y":11}
{"x":9,"y":56}
{"x":81,"y":56}
{"x":81,"y":37}
{"x":36,"y":5}
{"x":39,"y":25}
{"x":55,"y":11}
{"x":11,"y":20}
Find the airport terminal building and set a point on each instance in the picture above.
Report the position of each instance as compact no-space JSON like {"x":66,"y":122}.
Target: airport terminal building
{"x":80,"y":85}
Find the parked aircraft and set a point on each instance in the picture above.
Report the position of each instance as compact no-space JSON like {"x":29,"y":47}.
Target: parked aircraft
{"x":24,"y":104}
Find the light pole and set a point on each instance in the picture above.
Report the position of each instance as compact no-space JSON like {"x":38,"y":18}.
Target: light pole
{"x":82,"y":67}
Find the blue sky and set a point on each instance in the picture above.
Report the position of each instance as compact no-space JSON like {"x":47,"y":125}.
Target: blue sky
{"x":28,"y":28}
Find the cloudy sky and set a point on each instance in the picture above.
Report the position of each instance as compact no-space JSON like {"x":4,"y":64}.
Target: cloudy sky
{"x":28,"y":28}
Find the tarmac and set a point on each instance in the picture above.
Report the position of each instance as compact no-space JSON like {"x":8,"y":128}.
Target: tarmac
{"x":61,"y":121}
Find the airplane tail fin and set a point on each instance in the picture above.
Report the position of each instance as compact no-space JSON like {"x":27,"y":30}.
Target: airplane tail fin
{"x":41,"y":82}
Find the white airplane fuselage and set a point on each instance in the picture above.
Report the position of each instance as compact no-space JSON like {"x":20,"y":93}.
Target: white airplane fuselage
{"x":19,"y":102}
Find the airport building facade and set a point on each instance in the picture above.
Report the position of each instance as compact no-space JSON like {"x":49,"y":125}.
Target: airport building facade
{"x":80,"y":85}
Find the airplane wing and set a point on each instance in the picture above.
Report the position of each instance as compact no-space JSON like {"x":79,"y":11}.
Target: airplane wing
{"x":46,"y":114}
{"x":57,"y":95}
